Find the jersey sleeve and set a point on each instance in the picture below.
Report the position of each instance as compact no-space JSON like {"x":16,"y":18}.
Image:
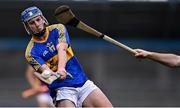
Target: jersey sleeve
{"x":33,"y":59}
{"x":63,"y":35}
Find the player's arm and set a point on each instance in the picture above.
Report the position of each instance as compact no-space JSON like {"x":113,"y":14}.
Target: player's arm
{"x":43,"y":68}
{"x":62,"y":59}
{"x":61,"y":47}
{"x":171,"y":60}
{"x":44,"y":72}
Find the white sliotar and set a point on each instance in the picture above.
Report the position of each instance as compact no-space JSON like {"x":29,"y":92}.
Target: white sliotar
{"x":46,"y":74}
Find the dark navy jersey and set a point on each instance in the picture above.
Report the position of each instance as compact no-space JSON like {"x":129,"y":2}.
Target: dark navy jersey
{"x":45,"y":52}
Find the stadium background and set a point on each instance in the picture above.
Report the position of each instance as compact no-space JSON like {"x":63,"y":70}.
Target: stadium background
{"x":125,"y":80}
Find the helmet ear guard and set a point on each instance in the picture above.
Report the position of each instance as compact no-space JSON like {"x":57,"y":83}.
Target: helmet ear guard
{"x":46,"y":22}
{"x":30,"y":13}
{"x":26,"y":28}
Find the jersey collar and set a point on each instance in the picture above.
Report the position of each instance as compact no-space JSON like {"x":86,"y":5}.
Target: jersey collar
{"x":43,"y":40}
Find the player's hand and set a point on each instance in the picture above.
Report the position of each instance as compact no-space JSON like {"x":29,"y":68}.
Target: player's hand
{"x":141,"y":53}
{"x":62,"y":73}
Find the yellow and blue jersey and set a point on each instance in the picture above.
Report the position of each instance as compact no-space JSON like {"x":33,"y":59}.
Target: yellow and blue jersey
{"x":45,"y":52}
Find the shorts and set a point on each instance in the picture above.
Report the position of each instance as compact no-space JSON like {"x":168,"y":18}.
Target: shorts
{"x":45,"y":98}
{"x":76,"y":95}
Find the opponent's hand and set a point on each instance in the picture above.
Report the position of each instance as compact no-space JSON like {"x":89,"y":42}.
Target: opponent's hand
{"x":141,"y":53}
{"x":34,"y":90}
{"x":62,"y":72}
{"x":40,"y":88}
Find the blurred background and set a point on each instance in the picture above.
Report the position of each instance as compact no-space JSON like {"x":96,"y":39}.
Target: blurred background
{"x":149,"y":24}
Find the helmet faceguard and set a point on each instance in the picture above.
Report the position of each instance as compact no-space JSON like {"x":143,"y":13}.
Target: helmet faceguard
{"x":30,"y":13}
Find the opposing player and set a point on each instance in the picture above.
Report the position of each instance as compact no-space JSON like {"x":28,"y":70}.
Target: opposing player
{"x":50,"y":50}
{"x":39,"y":88}
{"x":167,"y":59}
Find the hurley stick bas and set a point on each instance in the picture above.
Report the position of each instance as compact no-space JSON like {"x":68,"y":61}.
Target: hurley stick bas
{"x":47,"y":81}
{"x":65,"y":16}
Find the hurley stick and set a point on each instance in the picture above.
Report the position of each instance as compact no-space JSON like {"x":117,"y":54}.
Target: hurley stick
{"x":65,"y":16}
{"x":47,"y":81}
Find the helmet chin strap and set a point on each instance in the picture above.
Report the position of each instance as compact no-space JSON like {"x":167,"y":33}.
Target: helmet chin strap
{"x":40,"y":34}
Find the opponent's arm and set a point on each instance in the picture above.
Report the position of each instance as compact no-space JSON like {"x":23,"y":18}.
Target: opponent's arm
{"x":34,"y":82}
{"x":168,"y":59}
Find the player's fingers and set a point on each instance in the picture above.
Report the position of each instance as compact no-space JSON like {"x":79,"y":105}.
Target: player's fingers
{"x":139,"y":51}
{"x":137,"y":54}
{"x":63,"y":76}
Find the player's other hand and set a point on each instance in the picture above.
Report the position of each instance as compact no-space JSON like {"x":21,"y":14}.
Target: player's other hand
{"x":141,"y":53}
{"x":62,"y":73}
